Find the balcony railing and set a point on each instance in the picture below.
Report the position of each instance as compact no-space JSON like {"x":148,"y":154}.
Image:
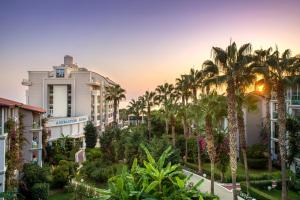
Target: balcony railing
{"x":275,"y":115}
{"x":36,"y":125}
{"x":295,"y":100}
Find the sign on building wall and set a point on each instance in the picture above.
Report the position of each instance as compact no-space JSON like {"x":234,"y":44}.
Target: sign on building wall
{"x":66,"y":121}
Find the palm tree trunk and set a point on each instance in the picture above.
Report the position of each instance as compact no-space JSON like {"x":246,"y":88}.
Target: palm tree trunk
{"x":149,"y":123}
{"x":282,"y":135}
{"x":232,"y":128}
{"x":268,"y":131}
{"x":210,"y":149}
{"x":173,"y":135}
{"x":212,"y":177}
{"x":167,"y":126}
{"x":200,"y":171}
{"x":115,"y":112}
{"x":185,"y":139}
{"x":243,"y":145}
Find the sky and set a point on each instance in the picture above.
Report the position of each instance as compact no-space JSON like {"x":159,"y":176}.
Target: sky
{"x":137,"y":43}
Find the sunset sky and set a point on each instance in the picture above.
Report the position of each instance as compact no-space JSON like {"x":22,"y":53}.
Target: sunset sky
{"x":138,"y":43}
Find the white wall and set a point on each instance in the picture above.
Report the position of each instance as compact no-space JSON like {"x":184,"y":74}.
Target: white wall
{"x":60,"y":101}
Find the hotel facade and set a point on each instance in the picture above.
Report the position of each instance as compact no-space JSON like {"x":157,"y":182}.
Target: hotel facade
{"x":31,"y":119}
{"x":293,"y":109}
{"x":71,"y":96}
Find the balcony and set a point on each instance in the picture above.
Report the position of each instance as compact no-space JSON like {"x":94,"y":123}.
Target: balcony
{"x":275,"y":115}
{"x":295,"y":100}
{"x":94,"y":83}
{"x":36,"y":126}
{"x":35,"y":145}
{"x":26,"y":82}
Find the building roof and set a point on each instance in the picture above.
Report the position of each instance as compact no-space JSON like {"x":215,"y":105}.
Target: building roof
{"x":11,"y":103}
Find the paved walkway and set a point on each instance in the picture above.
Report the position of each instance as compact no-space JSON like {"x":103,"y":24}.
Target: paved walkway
{"x":220,"y":191}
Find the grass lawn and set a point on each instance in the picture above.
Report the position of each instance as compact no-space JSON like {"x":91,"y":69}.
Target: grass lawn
{"x":255,"y":174}
{"x":62,"y":195}
{"x":277,"y":194}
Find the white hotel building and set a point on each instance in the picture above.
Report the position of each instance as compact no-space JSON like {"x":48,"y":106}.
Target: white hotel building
{"x":71,"y":96}
{"x":293,"y":109}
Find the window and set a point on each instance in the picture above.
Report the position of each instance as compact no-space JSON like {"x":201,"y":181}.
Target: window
{"x":60,"y":73}
{"x":276,"y":130}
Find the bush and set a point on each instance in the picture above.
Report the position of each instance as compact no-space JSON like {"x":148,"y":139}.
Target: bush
{"x":91,"y":134}
{"x":33,"y":174}
{"x":63,"y":173}
{"x":257,"y":163}
{"x":40,"y":191}
{"x":256,"y":151}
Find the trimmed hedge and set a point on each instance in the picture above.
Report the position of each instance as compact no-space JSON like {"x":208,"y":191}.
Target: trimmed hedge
{"x":257,"y":194}
{"x":40,"y":191}
{"x":257,"y":163}
{"x":240,"y":177}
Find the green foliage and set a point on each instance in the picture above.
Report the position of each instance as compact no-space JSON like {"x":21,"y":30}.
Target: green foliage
{"x":293,"y":127}
{"x":256,"y":151}
{"x":91,"y":134}
{"x":81,"y":191}
{"x":62,"y":149}
{"x":257,"y":163}
{"x":257,"y":156}
{"x":108,"y":141}
{"x":256,"y":193}
{"x":97,"y":168}
{"x":32,"y":175}
{"x":40,"y":191}
{"x":157,"y":146}
{"x":63,"y":173}
{"x":153,"y":180}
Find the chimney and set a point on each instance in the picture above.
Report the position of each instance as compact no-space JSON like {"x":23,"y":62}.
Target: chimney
{"x":68,"y":60}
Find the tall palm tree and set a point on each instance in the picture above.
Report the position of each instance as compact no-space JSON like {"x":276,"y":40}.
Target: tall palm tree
{"x":164,"y":92}
{"x":183,"y":92}
{"x":224,"y":68}
{"x":149,"y":100}
{"x":172,"y":108}
{"x":248,"y":102}
{"x":281,"y":69}
{"x":114,"y":93}
{"x":244,"y":78}
{"x":212,"y":108}
{"x":195,"y":82}
{"x":261,"y":56}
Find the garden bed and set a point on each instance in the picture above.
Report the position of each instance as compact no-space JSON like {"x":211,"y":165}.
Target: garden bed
{"x":254,"y":174}
{"x":259,"y":191}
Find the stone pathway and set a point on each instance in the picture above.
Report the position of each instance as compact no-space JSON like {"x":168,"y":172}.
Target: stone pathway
{"x":222,"y":192}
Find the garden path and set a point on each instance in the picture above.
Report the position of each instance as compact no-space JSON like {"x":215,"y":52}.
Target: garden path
{"x":220,"y":191}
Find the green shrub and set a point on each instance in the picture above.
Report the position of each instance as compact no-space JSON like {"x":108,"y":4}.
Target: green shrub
{"x":32,"y":174}
{"x":63,"y":173}
{"x":91,"y":134}
{"x":40,"y":191}
{"x":256,"y":151}
{"x":257,"y":163}
{"x":255,"y":193}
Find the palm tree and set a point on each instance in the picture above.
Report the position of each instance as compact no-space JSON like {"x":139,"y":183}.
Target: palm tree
{"x":164,"y":93}
{"x":149,"y":100}
{"x":261,"y":56}
{"x":248,"y":102}
{"x":114,"y":93}
{"x":224,"y":68}
{"x":183,"y":92}
{"x":136,"y":107}
{"x":280,"y":71}
{"x":212,"y":108}
{"x":195,"y":82}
